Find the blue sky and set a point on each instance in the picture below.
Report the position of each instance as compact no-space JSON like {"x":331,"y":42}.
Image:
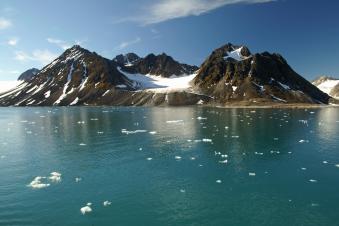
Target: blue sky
{"x":305,"y":32}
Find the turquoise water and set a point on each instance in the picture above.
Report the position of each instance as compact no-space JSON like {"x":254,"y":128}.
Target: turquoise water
{"x":281,"y":167}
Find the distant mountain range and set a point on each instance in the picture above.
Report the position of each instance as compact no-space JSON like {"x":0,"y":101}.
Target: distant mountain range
{"x":230,"y":75}
{"x":328,"y":85}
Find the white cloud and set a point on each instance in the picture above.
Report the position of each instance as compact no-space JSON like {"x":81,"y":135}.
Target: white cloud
{"x":60,"y":43}
{"x":42,"y":56}
{"x":13,"y":41}
{"x":5,"y":23}
{"x":125,"y":44}
{"x":164,"y":10}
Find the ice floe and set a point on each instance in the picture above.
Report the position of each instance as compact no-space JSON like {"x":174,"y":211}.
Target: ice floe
{"x":177,"y":157}
{"x":218,"y":181}
{"x":78,"y":179}
{"x":133,"y":132}
{"x":174,"y":121}
{"x":106,"y":203}
{"x":86,"y":209}
{"x":38,"y":183}
{"x":251,"y":174}
{"x":55,"y":177}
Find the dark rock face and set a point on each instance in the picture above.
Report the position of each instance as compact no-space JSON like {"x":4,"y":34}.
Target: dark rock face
{"x":73,"y":78}
{"x":28,"y":75}
{"x":231,"y":73}
{"x":161,"y":65}
{"x":126,"y":60}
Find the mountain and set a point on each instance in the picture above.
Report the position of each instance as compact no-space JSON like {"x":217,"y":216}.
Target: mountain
{"x":328,"y":85}
{"x":28,"y":75}
{"x":233,"y":74}
{"x":160,"y":65}
{"x":78,"y":75}
{"x":126,"y":59}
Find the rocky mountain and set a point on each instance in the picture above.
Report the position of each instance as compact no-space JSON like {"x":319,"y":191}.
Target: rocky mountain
{"x":126,"y":59}
{"x":233,"y":74}
{"x":160,"y":65}
{"x":28,"y":75}
{"x":328,"y":85}
{"x":78,"y":75}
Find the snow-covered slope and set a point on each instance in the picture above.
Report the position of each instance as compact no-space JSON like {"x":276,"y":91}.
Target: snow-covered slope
{"x":160,"y":84}
{"x":328,"y":85}
{"x":8,"y":85}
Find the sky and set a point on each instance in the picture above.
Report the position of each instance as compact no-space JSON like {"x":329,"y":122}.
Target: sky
{"x":304,"y":32}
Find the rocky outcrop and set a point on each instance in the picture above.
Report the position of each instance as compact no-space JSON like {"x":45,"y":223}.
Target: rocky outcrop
{"x":231,"y":73}
{"x":160,"y":65}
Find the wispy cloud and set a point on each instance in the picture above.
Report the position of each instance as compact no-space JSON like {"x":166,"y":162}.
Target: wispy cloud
{"x":42,"y":56}
{"x":60,"y":43}
{"x":5,"y":23}
{"x":13,"y":41}
{"x":64,"y":44}
{"x":125,"y":44}
{"x":164,"y":10}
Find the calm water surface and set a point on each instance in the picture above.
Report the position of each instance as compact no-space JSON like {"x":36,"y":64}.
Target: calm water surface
{"x":282,"y":166}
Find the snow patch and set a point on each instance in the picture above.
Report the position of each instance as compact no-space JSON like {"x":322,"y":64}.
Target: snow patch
{"x":159,"y":84}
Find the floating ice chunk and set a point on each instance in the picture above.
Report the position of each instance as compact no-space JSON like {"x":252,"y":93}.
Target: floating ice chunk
{"x":192,"y":158}
{"x":224,"y":161}
{"x":217,"y":153}
{"x":37,"y":183}
{"x":149,"y":159}
{"x":258,"y":153}
{"x":303,"y":168}
{"x":314,"y":204}
{"x":182,"y":190}
{"x":206,"y":140}
{"x":55,"y":177}
{"x":251,"y":174}
{"x":174,"y":121}
{"x":325,"y":162}
{"x":86,"y":209}
{"x":224,"y":156}
{"x":337,"y":165}
{"x":133,"y":132}
{"x":106,"y":203}
{"x":303,"y":141}
{"x":313,"y":181}
{"x":218,"y":181}
{"x":81,"y":122}
{"x":201,"y":118}
{"x":177,"y":157}
{"x":235,"y":137}
{"x":153,"y":132}
{"x":82,"y":144}
{"x":78,"y":179}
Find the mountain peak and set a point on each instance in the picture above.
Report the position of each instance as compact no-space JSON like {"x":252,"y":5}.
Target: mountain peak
{"x":28,"y":75}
